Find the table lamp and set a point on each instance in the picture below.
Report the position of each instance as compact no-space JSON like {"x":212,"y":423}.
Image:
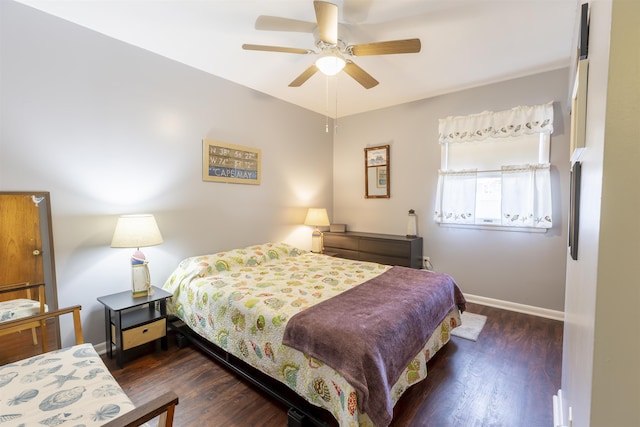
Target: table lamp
{"x":317,"y":217}
{"x":137,"y":231}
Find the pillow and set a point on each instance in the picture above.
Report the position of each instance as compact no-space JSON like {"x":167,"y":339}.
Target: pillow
{"x":207,"y":265}
{"x":270,"y":252}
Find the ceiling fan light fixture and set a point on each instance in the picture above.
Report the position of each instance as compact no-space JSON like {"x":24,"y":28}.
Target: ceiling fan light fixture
{"x":330,"y":63}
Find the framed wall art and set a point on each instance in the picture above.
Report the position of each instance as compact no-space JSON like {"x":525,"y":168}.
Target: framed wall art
{"x":579,"y":111}
{"x":222,"y":162}
{"x":376,"y":172}
{"x":583,"y":34}
{"x":574,"y":209}
{"x":381,"y":178}
{"x":579,"y":94}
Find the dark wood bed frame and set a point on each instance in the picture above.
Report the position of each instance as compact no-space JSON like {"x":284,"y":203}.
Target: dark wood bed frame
{"x":300,"y":413}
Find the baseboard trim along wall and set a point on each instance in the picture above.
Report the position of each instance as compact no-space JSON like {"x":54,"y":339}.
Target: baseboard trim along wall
{"x":101,"y":348}
{"x":513,"y":306}
{"x":558,"y":411}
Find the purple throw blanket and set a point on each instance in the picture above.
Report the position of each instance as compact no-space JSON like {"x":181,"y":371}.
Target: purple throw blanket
{"x":370,"y":333}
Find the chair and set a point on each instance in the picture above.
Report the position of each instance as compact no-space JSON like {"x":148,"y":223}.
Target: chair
{"x":20,"y":302}
{"x":93,"y":404}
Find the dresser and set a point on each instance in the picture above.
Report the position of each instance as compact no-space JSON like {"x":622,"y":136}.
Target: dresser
{"x":381,"y":248}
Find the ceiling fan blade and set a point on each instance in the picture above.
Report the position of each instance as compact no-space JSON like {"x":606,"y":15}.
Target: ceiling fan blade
{"x":386,"y":48}
{"x":360,"y":75}
{"x":276,"y":23}
{"x":327,"y":17}
{"x":306,"y":74}
{"x":276,"y":49}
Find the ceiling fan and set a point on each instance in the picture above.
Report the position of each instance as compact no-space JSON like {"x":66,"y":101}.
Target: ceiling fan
{"x":334,"y":54}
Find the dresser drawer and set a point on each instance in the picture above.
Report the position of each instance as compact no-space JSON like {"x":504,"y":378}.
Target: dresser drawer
{"x":340,"y":241}
{"x":342,"y":253}
{"x":385,"y":247}
{"x":142,"y":334}
{"x":388,"y":260}
{"x":381,"y":248}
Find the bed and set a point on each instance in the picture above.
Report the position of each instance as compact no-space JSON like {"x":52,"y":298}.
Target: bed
{"x":245,"y":301}
{"x":72,"y":386}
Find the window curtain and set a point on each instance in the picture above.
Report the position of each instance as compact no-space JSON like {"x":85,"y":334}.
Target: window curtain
{"x":526,"y":196}
{"x":517,"y":121}
{"x":456,"y":197}
{"x":525,"y":190}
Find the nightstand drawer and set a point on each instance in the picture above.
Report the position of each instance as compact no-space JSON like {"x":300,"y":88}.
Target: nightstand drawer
{"x":142,"y":334}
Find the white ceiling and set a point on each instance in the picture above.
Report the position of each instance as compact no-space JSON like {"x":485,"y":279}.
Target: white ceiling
{"x":465,"y":43}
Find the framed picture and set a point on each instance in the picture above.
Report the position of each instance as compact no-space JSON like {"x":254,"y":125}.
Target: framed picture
{"x":579,"y":111}
{"x":376,"y":172}
{"x":583,"y":35}
{"x":377,"y":156}
{"x":574,"y":209}
{"x":222,"y":162}
{"x":381,"y":178}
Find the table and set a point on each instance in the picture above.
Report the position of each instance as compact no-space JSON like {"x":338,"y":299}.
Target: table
{"x":131,"y":322}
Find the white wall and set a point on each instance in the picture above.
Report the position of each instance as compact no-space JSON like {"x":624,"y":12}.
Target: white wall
{"x":523,"y":268}
{"x":602,"y":330}
{"x":109,"y":129}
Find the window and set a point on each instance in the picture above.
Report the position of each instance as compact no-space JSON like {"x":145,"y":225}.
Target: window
{"x":488,"y":198}
{"x":495,"y":169}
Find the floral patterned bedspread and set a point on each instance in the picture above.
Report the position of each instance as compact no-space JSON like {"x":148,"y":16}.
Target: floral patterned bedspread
{"x":241,"y":300}
{"x":70,"y":387}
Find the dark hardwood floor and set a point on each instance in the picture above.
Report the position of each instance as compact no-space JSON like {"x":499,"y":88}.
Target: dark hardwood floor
{"x":507,"y":378}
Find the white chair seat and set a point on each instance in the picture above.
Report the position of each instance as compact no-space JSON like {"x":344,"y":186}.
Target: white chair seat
{"x":18,"y":308}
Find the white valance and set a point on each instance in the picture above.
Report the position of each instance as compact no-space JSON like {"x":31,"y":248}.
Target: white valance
{"x":517,"y":121}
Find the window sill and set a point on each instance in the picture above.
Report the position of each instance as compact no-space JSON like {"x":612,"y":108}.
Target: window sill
{"x":495,"y":228}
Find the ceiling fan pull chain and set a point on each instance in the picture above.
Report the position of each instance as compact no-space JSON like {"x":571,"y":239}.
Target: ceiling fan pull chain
{"x":335,"y":123}
{"x":326,"y":102}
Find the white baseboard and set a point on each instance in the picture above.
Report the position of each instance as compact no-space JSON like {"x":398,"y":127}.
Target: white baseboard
{"x":101,"y":348}
{"x":513,"y":306}
{"x":558,"y":411}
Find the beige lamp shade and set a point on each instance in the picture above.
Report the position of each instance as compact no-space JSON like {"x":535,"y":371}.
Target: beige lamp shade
{"x":317,"y":217}
{"x":136,"y":231}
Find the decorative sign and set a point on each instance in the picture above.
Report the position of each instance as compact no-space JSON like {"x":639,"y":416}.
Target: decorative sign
{"x":230,"y":163}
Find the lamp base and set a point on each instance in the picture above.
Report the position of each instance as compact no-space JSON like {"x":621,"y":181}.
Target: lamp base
{"x":317,"y":242}
{"x":140,"y":280}
{"x":140,"y":294}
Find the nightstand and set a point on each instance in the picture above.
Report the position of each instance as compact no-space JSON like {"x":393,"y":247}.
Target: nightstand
{"x":131,"y":322}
